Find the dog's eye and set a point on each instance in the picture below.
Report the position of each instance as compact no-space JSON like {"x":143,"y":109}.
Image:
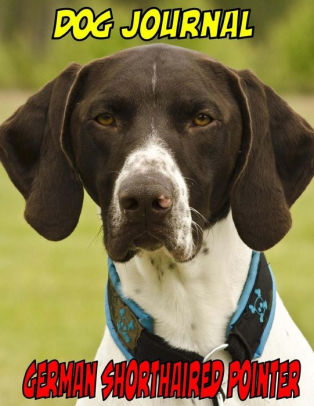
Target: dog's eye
{"x":201,"y":120}
{"x":105,"y":119}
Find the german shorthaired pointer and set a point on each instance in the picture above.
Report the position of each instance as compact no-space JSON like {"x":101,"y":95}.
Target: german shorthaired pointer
{"x":193,"y":165}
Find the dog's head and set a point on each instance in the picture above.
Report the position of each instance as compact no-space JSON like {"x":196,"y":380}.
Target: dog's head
{"x":165,"y":140}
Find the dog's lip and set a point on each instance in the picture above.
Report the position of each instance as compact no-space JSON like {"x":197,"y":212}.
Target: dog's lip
{"x":126,"y":243}
{"x":147,"y":241}
{"x":130,"y":239}
{"x":134,"y":231}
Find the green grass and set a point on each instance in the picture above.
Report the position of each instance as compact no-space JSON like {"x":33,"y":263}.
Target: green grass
{"x":51,"y":294}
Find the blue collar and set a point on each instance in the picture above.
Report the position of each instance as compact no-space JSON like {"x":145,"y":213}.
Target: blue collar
{"x":132,"y":328}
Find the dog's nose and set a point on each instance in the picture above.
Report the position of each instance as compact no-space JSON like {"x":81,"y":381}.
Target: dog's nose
{"x":149,"y":196}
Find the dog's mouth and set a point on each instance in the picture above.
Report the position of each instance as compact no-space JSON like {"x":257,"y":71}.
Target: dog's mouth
{"x":127,"y":242}
{"x":147,"y":241}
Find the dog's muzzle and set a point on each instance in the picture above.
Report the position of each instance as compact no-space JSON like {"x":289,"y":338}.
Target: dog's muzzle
{"x":150,"y":207}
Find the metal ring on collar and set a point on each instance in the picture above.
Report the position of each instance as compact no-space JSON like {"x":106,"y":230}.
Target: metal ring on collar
{"x":216,"y":349}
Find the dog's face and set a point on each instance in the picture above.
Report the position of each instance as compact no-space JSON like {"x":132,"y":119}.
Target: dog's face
{"x":165,"y":140}
{"x":161,"y":130}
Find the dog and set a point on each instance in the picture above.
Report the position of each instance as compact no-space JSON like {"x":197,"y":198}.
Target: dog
{"x":193,"y":165}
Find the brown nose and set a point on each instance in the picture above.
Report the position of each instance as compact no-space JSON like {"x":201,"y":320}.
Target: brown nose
{"x":147,"y":196}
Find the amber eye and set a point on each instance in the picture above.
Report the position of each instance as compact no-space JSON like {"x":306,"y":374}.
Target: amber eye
{"x":105,"y":119}
{"x":201,"y":120}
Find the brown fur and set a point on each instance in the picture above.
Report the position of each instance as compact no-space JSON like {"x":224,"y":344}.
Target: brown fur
{"x":260,"y":182}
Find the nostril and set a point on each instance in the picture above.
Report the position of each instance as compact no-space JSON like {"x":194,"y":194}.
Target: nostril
{"x":129,"y":203}
{"x":162,"y":203}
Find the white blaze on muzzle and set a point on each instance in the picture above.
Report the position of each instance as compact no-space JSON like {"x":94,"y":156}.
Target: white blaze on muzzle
{"x":155,"y":158}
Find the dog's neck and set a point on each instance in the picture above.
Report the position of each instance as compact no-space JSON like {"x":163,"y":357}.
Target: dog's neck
{"x":191,"y":303}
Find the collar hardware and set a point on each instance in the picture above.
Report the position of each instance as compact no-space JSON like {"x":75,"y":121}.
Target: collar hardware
{"x":214,"y":350}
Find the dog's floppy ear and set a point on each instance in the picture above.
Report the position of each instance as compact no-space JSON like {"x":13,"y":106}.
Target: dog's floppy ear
{"x":277,"y":163}
{"x":31,"y":153}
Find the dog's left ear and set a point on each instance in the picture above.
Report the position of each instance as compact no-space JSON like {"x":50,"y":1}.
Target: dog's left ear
{"x":276,"y":163}
{"x":30,"y":151}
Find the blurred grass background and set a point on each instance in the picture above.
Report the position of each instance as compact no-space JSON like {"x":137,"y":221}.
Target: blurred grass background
{"x":51,"y":294}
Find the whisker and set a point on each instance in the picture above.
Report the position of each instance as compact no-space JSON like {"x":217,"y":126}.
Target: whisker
{"x":199,"y":214}
{"x":190,"y":179}
{"x":96,"y":236}
{"x":197,"y":228}
{"x":206,"y":233}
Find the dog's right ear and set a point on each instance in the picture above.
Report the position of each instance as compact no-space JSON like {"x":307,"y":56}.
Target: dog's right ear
{"x":31,"y":153}
{"x":276,"y":163}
